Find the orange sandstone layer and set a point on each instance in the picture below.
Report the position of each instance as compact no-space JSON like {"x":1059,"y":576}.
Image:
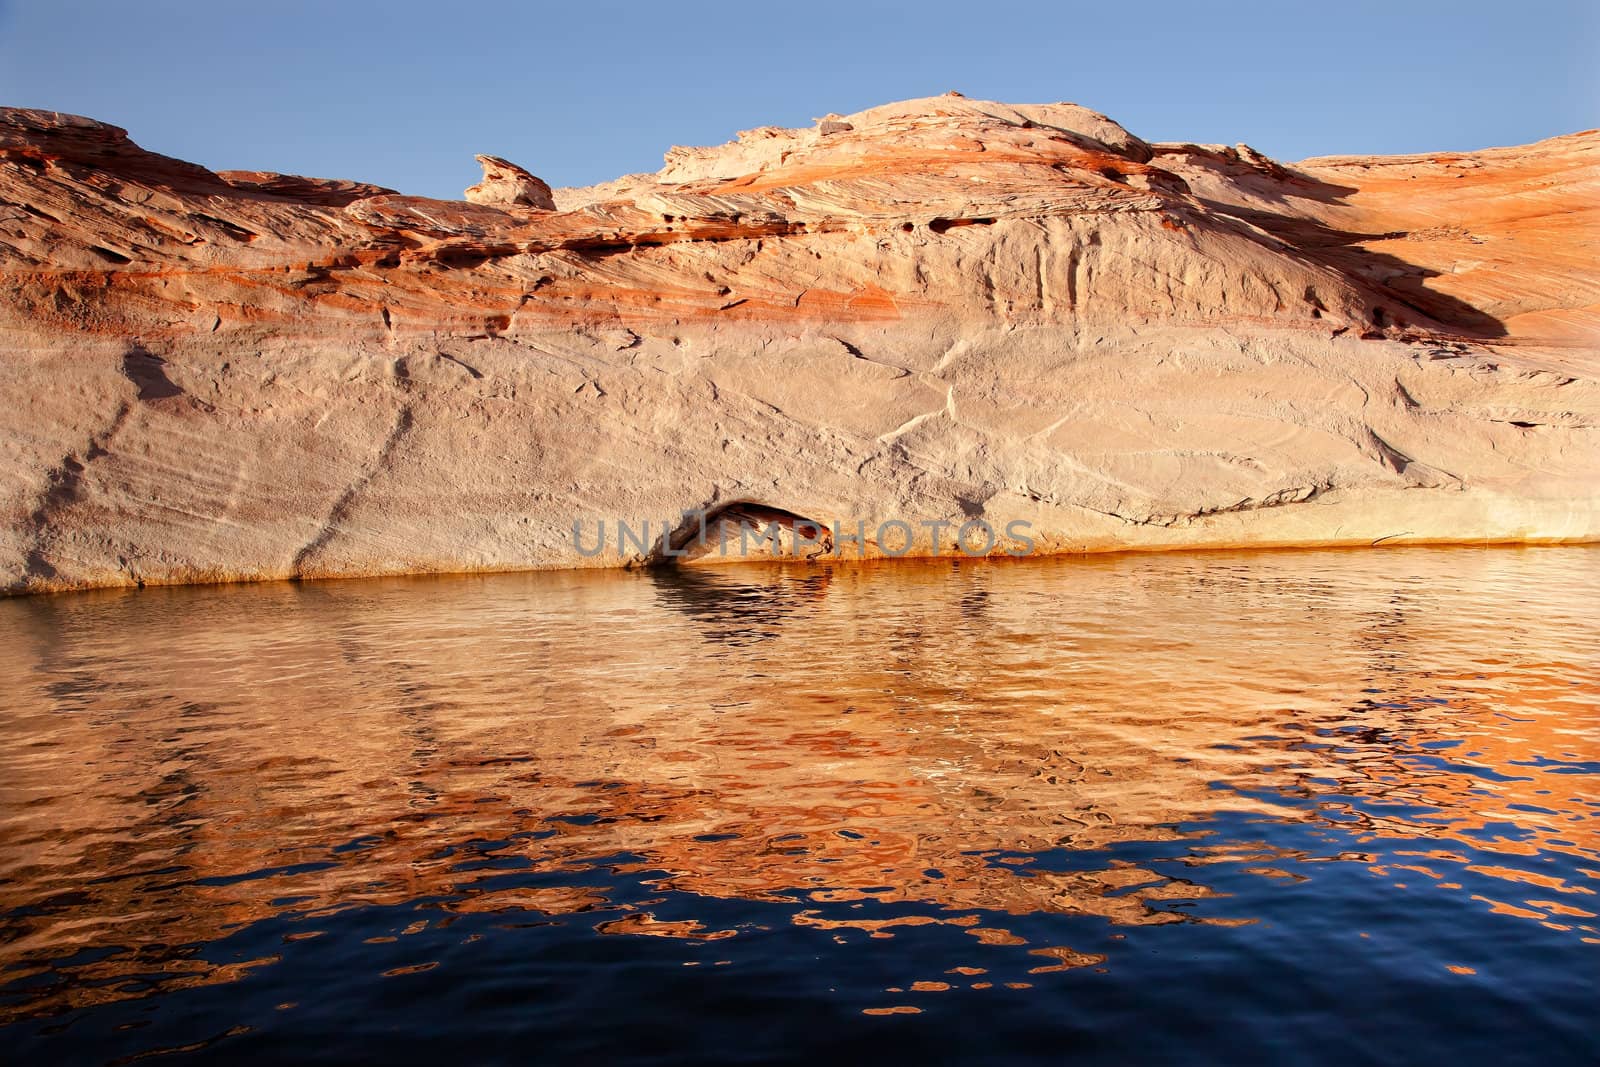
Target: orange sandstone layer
{"x":934,"y":311}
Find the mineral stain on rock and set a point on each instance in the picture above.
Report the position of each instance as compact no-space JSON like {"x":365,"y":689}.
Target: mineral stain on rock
{"x":925,"y":311}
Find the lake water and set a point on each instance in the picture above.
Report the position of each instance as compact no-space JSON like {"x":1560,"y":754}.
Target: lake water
{"x":1312,"y":807}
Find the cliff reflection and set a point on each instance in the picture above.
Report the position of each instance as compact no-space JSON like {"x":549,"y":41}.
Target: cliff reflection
{"x":967,"y":741}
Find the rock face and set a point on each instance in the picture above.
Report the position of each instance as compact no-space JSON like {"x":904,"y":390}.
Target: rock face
{"x":931,"y":312}
{"x":507,"y":185}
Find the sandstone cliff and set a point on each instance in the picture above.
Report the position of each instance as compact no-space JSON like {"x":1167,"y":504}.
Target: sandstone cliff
{"x":942,"y":309}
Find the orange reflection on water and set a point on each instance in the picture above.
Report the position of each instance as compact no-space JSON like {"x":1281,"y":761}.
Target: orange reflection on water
{"x":974,"y":741}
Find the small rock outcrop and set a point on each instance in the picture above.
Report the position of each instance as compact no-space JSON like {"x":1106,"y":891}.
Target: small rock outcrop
{"x":507,"y":185}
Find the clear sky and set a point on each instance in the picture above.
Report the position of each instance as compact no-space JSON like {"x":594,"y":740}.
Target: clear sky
{"x":403,"y":93}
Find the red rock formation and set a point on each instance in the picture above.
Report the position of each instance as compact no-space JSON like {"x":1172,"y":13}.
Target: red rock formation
{"x":931,"y":310}
{"x":507,"y":185}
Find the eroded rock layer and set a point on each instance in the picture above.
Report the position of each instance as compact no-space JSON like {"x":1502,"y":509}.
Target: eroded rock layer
{"x":935,"y":311}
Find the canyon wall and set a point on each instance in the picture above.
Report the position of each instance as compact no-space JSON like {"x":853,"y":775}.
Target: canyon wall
{"x":936,"y":312}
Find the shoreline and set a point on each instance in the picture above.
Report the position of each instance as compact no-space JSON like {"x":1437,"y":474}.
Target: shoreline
{"x":769,"y":562}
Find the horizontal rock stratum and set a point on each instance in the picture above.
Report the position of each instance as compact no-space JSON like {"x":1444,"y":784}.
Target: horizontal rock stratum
{"x":937,"y":310}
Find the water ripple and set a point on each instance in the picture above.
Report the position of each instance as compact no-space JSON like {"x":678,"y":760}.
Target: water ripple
{"x":1322,"y":807}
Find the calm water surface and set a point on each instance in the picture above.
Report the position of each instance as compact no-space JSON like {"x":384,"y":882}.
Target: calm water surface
{"x":1331,"y":807}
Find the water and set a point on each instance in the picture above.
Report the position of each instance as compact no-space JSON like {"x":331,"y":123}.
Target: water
{"x":1314,"y":807}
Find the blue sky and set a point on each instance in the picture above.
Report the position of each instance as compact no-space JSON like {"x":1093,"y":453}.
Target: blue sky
{"x":404,"y":93}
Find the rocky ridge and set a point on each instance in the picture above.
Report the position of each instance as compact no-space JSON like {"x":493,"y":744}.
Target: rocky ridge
{"x":934,"y":311}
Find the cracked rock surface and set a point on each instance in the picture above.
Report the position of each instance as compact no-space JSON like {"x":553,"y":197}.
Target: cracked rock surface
{"x":932,"y":311}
